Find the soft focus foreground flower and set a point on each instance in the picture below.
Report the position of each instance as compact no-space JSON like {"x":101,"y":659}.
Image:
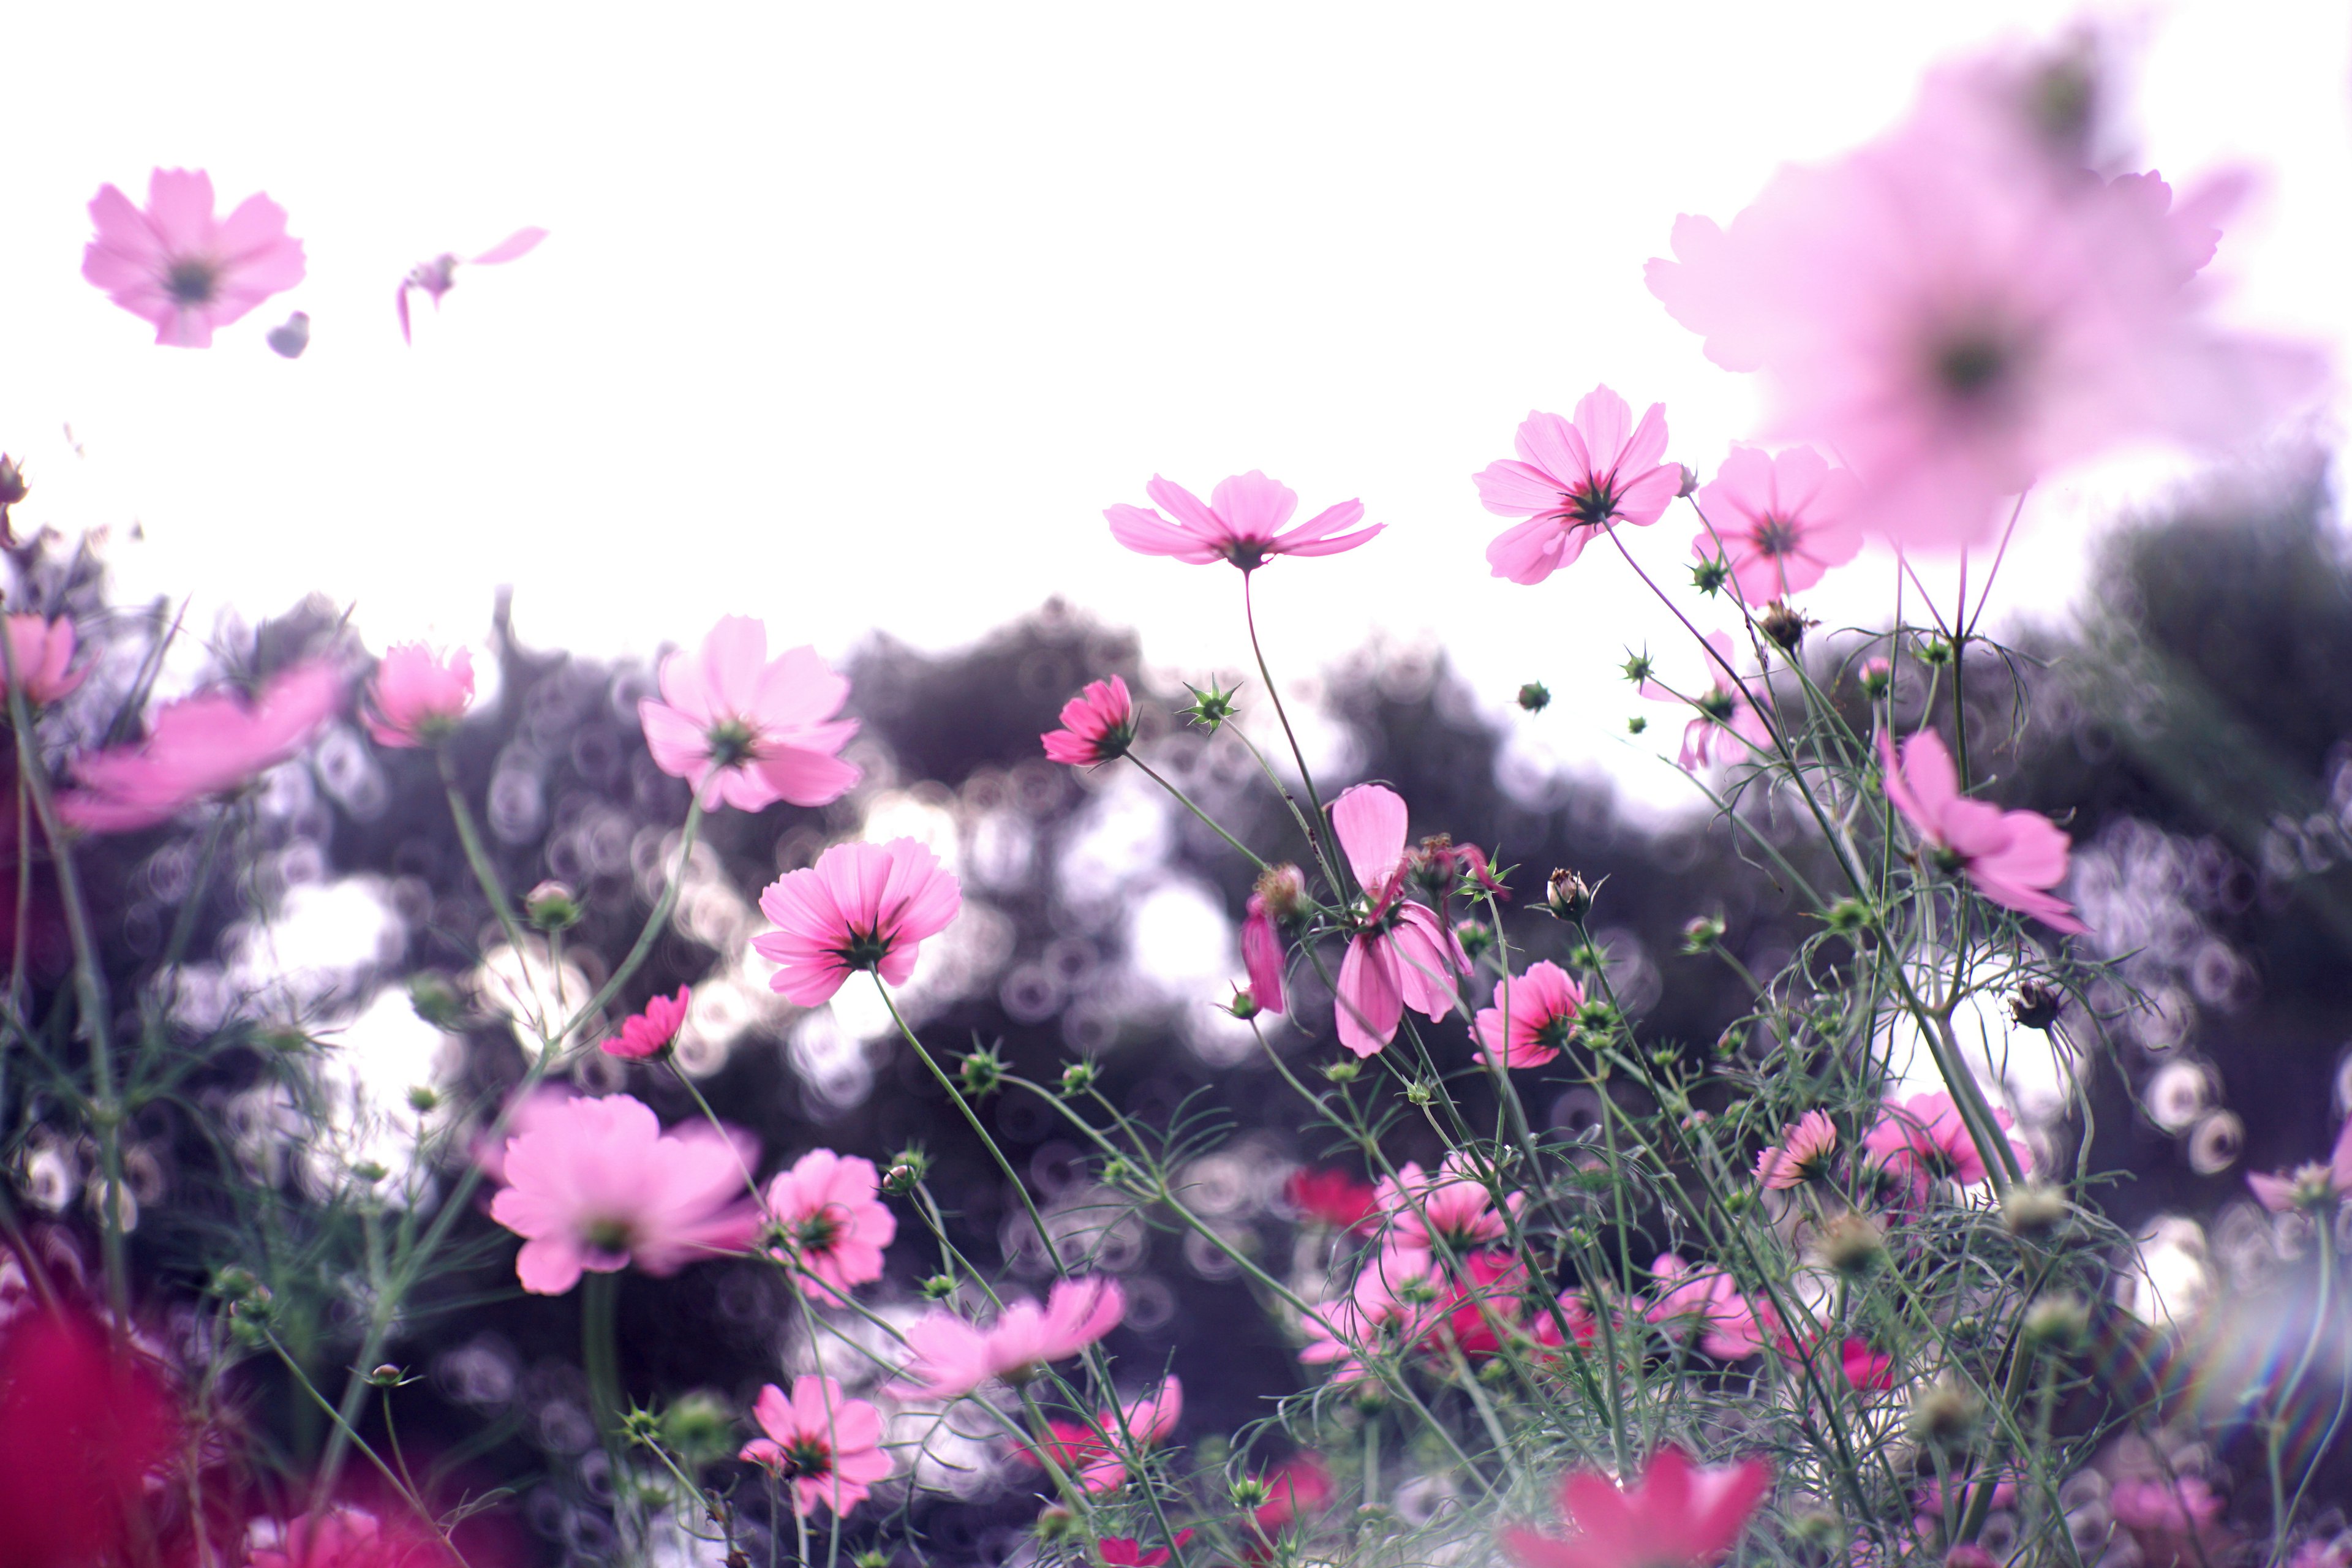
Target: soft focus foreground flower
{"x":1332,"y":1198}
{"x":861,"y":905}
{"x":1574,"y":478}
{"x":2312,"y":1186}
{"x":1780,"y":523}
{"x":342,"y":1537}
{"x":40,"y":650}
{"x":79,"y":1435}
{"x":176,"y":265}
{"x":1924,"y":1139}
{"x":1532,"y":1018}
{"x":1276,"y":898}
{"x":1126,"y":1552}
{"x":1300,"y":1485}
{"x":749,"y":729}
{"x":1403,"y":955}
{"x":1802,"y":1156}
{"x":1098,"y":725}
{"x":597,"y":1184}
{"x":197,"y":747}
{"x":831,"y":1220}
{"x":1866,"y":1370}
{"x":1678,"y":1516}
{"x":646,"y":1034}
{"x":2013,"y":858}
{"x":418,"y":696}
{"x":436,"y":277}
{"x":1240,"y":524}
{"x":1094,"y":1454}
{"x":829,"y":1447}
{"x":1723,"y":711}
{"x":952,"y":1357}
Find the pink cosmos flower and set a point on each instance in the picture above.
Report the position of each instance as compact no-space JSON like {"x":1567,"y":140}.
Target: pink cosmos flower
{"x":1300,"y":1485}
{"x":1330,"y":1198}
{"x":1277,"y":895}
{"x":1707,"y":1299}
{"x":1802,"y":1156}
{"x":1677,"y":1516}
{"x":2314,"y":1186}
{"x":339,"y":1536}
{"x":1239,"y":525}
{"x":1574,"y":478}
{"x":40,"y":650}
{"x":1126,"y":1552}
{"x":649,"y":1034}
{"x":1540,"y":1006}
{"x":1924,"y":1139}
{"x":1576,"y":1312}
{"x":418,"y":696}
{"x":834,"y":1225}
{"x":176,"y":265}
{"x":747,"y":729}
{"x":1098,"y":725}
{"x":829,"y":1447}
{"x":1453,"y":1206}
{"x":1402,"y":954}
{"x":1866,"y":1370}
{"x":200,"y":746}
{"x":436,"y":277}
{"x":2013,"y":858}
{"x":597,"y":1184}
{"x":1779,"y":521}
{"x":952,"y":1357}
{"x":1723,"y":712}
{"x":861,"y":905}
{"x":2149,"y":1503}
{"x":1095,"y":1454}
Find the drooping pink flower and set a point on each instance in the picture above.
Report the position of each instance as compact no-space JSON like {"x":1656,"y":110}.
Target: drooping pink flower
{"x":418,"y":696}
{"x":1098,"y":725}
{"x":1778,"y":522}
{"x":861,"y":905}
{"x":1924,"y":1139}
{"x":176,"y":265}
{"x":2312,"y":1186}
{"x":749,"y":729}
{"x":200,"y":746}
{"x":1708,"y":1299}
{"x":1574,"y":478}
{"x":1540,"y":1007}
{"x":436,"y":277}
{"x":952,"y":1357}
{"x":597,"y":1185}
{"x":1866,"y":1370}
{"x":41,"y":650}
{"x":1802,"y":1156}
{"x":1276,"y":898}
{"x":831,"y":1221}
{"x":1241,"y":523}
{"x":1678,"y":1515}
{"x":1331,"y":1198}
{"x":646,"y":1034}
{"x":1125,"y":1552}
{"x":828,"y":1446}
{"x":1723,"y":712}
{"x":1402,"y":954}
{"x":2013,"y":858}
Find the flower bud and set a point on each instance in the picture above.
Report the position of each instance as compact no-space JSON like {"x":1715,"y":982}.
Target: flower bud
{"x":1709,"y":576}
{"x":1567,"y":897}
{"x":2033,"y":1210}
{"x":1057,"y":1522}
{"x":2061,"y":1320}
{"x":1935,"y":652}
{"x":1690,"y":481}
{"x":435,"y":1000}
{"x":1944,"y":1415}
{"x":1851,"y":1243}
{"x":1244,"y":1003}
{"x":1209,"y":707}
{"x":872,"y":1557}
{"x":1848,"y":916}
{"x":1702,"y":932}
{"x":1877,"y":678}
{"x":938,"y":1287}
{"x":1785,"y":625}
{"x":1341,"y":1071}
{"x":385,"y":1377}
{"x":1282,"y":887}
{"x":1638,"y":667}
{"x":982,"y":1072}
{"x":1636,"y":725}
{"x":1476,"y":937}
{"x":1535,"y":697}
{"x":421,"y":1098}
{"x":1078,"y":1077}
{"x":698,"y":1427}
{"x":552,"y":906}
{"x":2036,"y":1005}
{"x":899,"y":1180}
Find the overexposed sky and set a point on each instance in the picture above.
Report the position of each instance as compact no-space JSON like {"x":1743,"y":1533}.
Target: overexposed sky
{"x":857,"y":317}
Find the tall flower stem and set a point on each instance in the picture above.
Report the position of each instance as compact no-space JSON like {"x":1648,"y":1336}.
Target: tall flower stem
{"x":1318,"y":834}
{"x":600,"y":1348}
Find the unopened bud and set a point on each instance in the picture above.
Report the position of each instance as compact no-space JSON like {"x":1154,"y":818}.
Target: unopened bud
{"x":385,"y":1377}
{"x":1709,"y":576}
{"x":1244,"y":1005}
{"x":872,"y":1557}
{"x":699,"y":1428}
{"x":982,"y":1072}
{"x":435,"y":1000}
{"x":1944,"y":1415}
{"x":1419,"y":1093}
{"x":423,"y":1099}
{"x":1702,"y":933}
{"x":1935,"y":652}
{"x":1209,"y":707}
{"x":899,"y":1180}
{"x":939,"y":1287}
{"x":2033,"y":1210}
{"x":1476,"y":937}
{"x":2036,"y":1005}
{"x":1567,"y":897}
{"x":1638,"y":667}
{"x":1636,"y":725}
{"x":1785,"y":625}
{"x":552,"y":906}
{"x":1851,"y":1244}
{"x":1848,"y":916}
{"x":1342,"y":1071}
{"x":1078,"y":1077}
{"x":1249,"y":1491}
{"x":1057,"y":1522}
{"x":1535,"y":697}
{"x":1877,"y":678}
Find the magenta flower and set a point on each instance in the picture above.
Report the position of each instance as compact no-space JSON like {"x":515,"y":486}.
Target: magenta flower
{"x":418,"y":696}
{"x":747,"y":729}
{"x":1095,"y":1455}
{"x":831,"y":1221}
{"x":339,"y":1536}
{"x":197,"y":747}
{"x":1867,"y":1370}
{"x":1574,"y":478}
{"x":1126,"y":1552}
{"x":1098,"y":725}
{"x":1402,"y":954}
{"x":597,"y":1185}
{"x":1924,"y":1139}
{"x":1709,"y":1299}
{"x":1778,"y":522}
{"x":1540,"y":1006}
{"x":952,"y":1357}
{"x":1802,"y":1156}
{"x":2013,"y":858}
{"x":646,"y":1034}
{"x":2314,"y":1187}
{"x":1723,"y":712}
{"x":828,"y":1446}
{"x":1240,"y":524}
{"x":861,"y":905}
{"x":436,"y":277}
{"x":1677,"y":1516}
{"x":176,"y":265}
{"x":1275,"y":897}
{"x":40,"y":651}
{"x":1454,"y":1208}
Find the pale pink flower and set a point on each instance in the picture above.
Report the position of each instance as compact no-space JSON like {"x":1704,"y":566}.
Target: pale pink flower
{"x":1801,"y":1156}
{"x":1098,"y":1455}
{"x":1678,"y":1515}
{"x":1453,"y":1206}
{"x":747,"y":729}
{"x":1708,"y":1299}
{"x":178,"y":265}
{"x":831,"y":1221}
{"x":952,"y":1357}
{"x":597,"y":1185}
{"x":2312,"y":1186}
{"x":1402,"y":954}
{"x":2181,"y":1507}
{"x":1574,"y":478}
{"x":861,"y":905}
{"x":1923,"y":1140}
{"x":829,"y":1447}
{"x":436,"y":277}
{"x":342,"y":1537}
{"x":41,"y":650}
{"x":1240,"y":524}
{"x":1098,"y":725}
{"x":1778,"y":522}
{"x":2013,"y":858}
{"x":1723,"y":712}
{"x":1540,"y":1006}
{"x":418,"y":696}
{"x":200,"y":746}
{"x":649,"y":1034}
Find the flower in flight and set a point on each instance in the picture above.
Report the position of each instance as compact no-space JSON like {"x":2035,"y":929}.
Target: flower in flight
{"x":436,"y":277}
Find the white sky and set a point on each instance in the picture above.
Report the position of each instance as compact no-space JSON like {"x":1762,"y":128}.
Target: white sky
{"x":859,"y":316}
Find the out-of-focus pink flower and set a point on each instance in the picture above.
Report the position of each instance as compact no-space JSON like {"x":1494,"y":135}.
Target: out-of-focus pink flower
{"x":1275,"y":897}
{"x":1729,"y":1326}
{"x":749,"y":729}
{"x":40,"y":650}
{"x":1098,"y":1455}
{"x":79,"y":1435}
{"x":1481,"y":1306}
{"x":438,"y":275}
{"x":1779,"y":521}
{"x":1402,"y":954}
{"x":1723,"y":711}
{"x":1801,"y":1156}
{"x":340,"y":1536}
{"x":828,"y":1446}
{"x":176,"y":265}
{"x":418,"y":696}
{"x":1125,"y":1552}
{"x":1298,"y":1486}
{"x":1454,"y":1208}
{"x":861,"y":905}
{"x":1574,"y":478}
{"x":832,"y":1223}
{"x":2314,"y":1186}
{"x":1679,"y":1515}
{"x":1240,"y":524}
{"x":2181,"y":1507}
{"x":200,"y":746}
{"x":490,"y":1153}
{"x":1332,"y":1198}
{"x":1866,"y":1370}
{"x":2013,"y":858}
{"x":646,"y":1034}
{"x":597,"y":1185}
{"x":952,"y":1357}
{"x":1924,"y":1139}
{"x":1540,"y":1007}
{"x":1098,"y":725}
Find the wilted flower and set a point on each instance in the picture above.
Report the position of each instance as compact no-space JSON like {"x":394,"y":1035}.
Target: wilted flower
{"x":952,"y":1357}
{"x":178,"y":265}
{"x":1098,"y":725}
{"x":861,"y":905}
{"x":1678,"y":1515}
{"x":1239,"y":525}
{"x":200,"y":746}
{"x":1574,"y":478}
{"x":418,"y":696}
{"x":747,"y":729}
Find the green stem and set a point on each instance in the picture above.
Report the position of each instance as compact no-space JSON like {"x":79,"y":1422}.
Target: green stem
{"x":600,"y":1348}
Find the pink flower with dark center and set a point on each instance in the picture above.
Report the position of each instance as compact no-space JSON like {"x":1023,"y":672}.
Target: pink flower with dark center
{"x":2012,"y":857}
{"x":1724,"y":713}
{"x":1802,"y":1156}
{"x":1778,"y":522}
{"x":1573,"y":479}
{"x":2314,"y":1187}
{"x":1924,"y":1139}
{"x":1678,"y":1515}
{"x":653,"y":1032}
{"x":1708,"y":1299}
{"x":952,"y":1357}
{"x":597,"y":1185}
{"x":827,"y":1447}
{"x":40,"y":651}
{"x":418,"y":696}
{"x":200,"y":746}
{"x":749,"y":729}
{"x":1125,"y":1552}
{"x":178,"y":265}
{"x":1096,"y":1455}
{"x":1402,"y":954}
{"x":1867,"y":1370}
{"x":1533,"y":1018}
{"x":1240,"y":525}
{"x":1098,"y":725}
{"x":436,"y":277}
{"x":831,"y":1221}
{"x":1454,"y":1208}
{"x":861,"y":905}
